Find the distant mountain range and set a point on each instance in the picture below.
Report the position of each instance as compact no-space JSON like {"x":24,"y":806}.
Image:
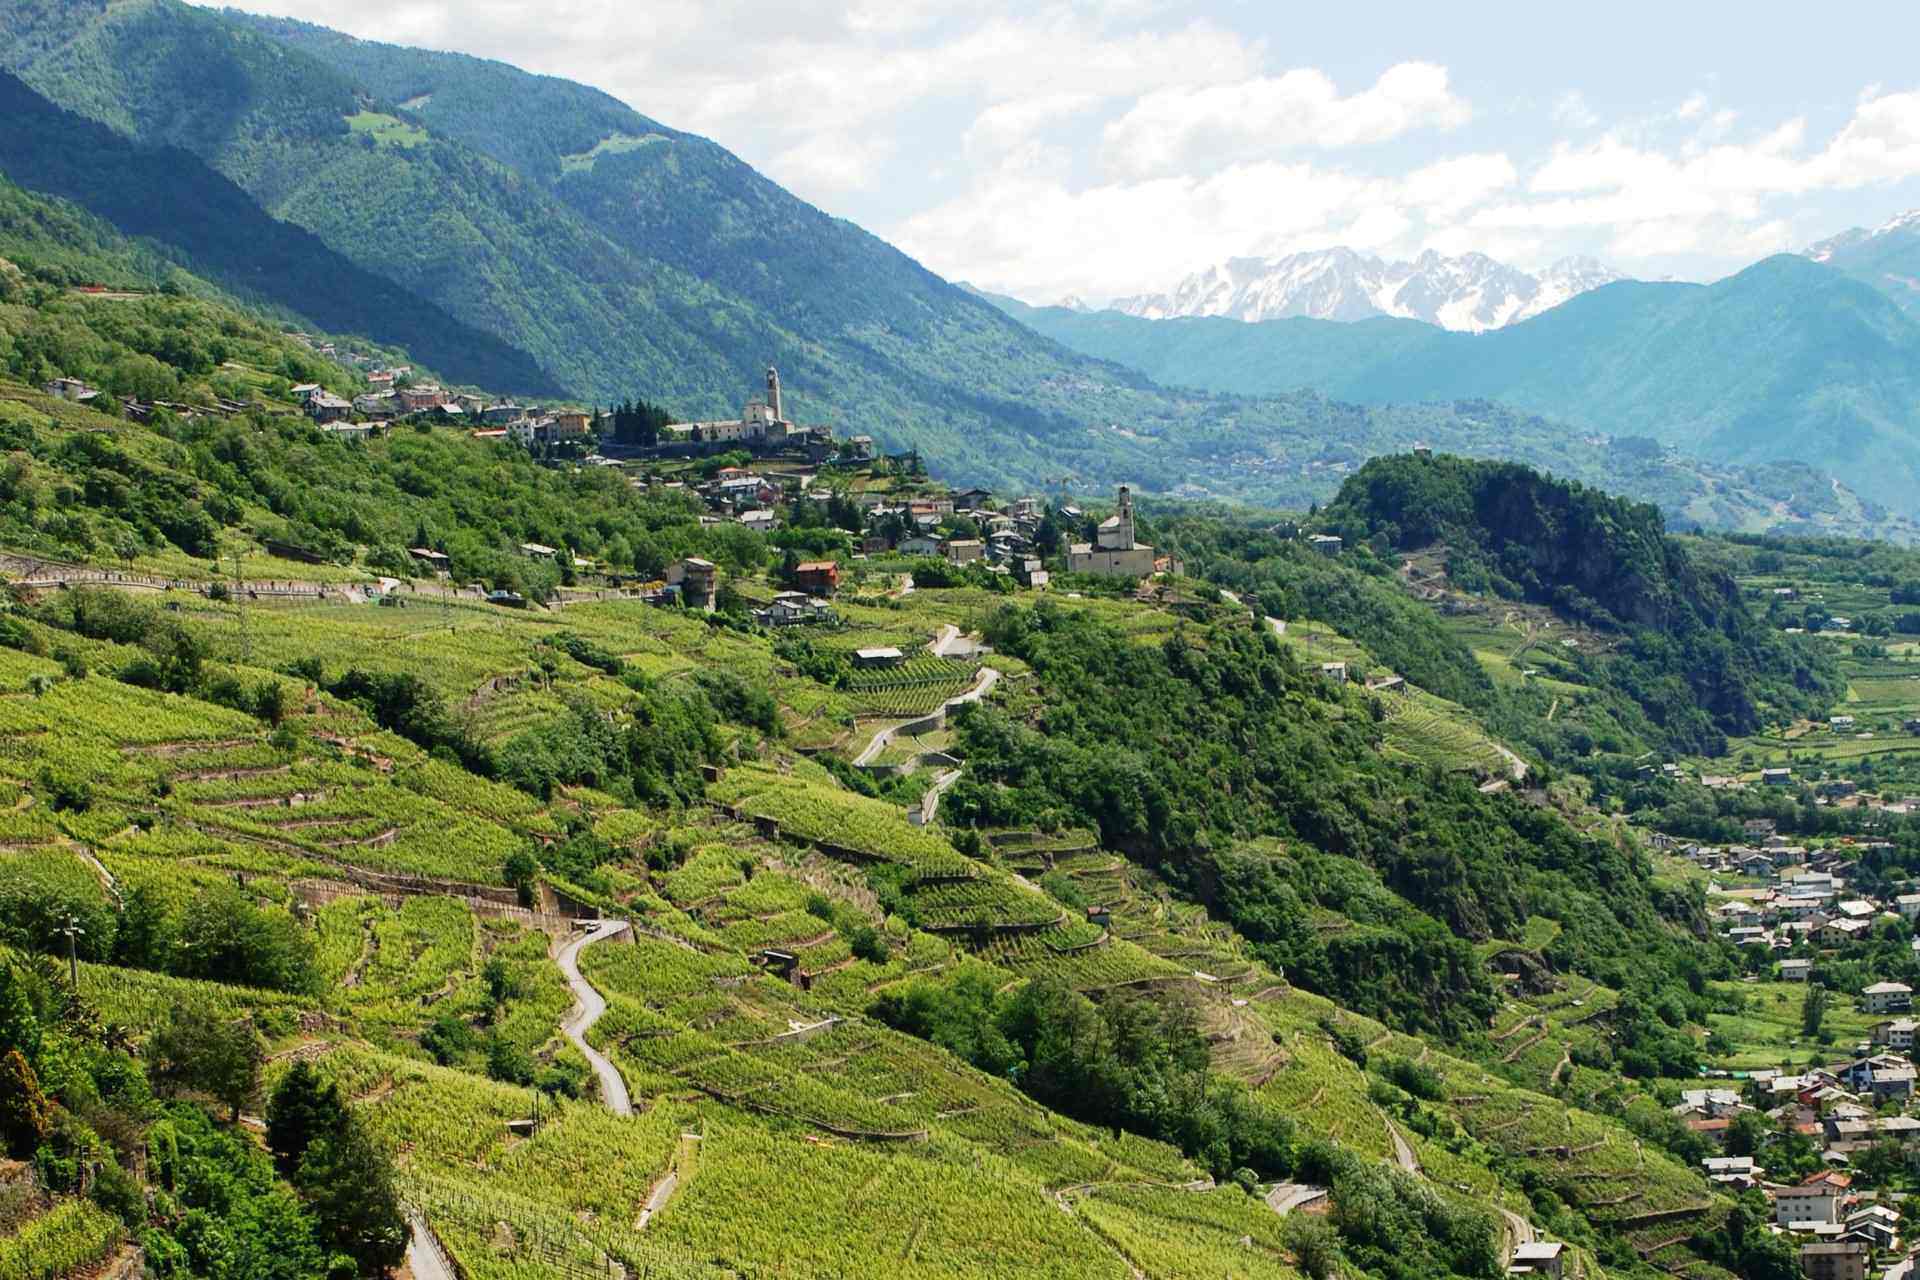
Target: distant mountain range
{"x":1789,"y":359}
{"x":1470,"y":294}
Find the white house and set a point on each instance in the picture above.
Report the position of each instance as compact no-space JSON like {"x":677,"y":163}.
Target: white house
{"x":1795,"y":1206}
{"x":1887,"y":997}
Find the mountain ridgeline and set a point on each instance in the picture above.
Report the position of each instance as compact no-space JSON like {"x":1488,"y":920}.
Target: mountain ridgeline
{"x":1692,"y":654}
{"x":535,"y":237}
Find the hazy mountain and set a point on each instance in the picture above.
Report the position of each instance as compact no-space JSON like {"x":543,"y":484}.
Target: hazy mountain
{"x":1887,"y":257}
{"x":1789,"y":359}
{"x":1471,"y":293}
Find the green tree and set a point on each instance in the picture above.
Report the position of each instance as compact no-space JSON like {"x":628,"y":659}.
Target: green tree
{"x":226,"y":938}
{"x":347,"y":1182}
{"x":303,"y":1109}
{"x":1813,"y":1010}
{"x":26,"y":1116}
{"x":199,"y":1050}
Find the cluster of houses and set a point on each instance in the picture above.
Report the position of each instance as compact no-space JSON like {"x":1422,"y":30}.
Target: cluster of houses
{"x":1841,"y":1230}
{"x":1806,"y":902}
{"x":1002,"y":536}
{"x":383,"y":403}
{"x":77,"y":391}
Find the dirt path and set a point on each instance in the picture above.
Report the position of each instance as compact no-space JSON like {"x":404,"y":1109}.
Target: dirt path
{"x":685,"y":1160}
{"x":589,"y":1005}
{"x":1515,"y":765}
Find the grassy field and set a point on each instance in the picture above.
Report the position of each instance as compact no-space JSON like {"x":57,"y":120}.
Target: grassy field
{"x":386,"y":130}
{"x":1767,"y":1032}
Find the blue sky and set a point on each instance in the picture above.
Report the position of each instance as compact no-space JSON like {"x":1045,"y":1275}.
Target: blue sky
{"x":1102,"y":149}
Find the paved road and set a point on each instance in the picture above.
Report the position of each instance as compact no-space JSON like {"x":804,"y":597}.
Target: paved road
{"x":1520,"y":1232}
{"x":930,"y":802}
{"x":989,"y":677}
{"x":983,"y":685}
{"x":423,"y":1259}
{"x":872,"y":750}
{"x":589,"y":1005}
{"x":1288,"y":1196}
{"x":1402,"y":1152}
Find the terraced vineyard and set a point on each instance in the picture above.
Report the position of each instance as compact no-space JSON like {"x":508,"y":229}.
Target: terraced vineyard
{"x":860,"y":1148}
{"x":915,"y":688}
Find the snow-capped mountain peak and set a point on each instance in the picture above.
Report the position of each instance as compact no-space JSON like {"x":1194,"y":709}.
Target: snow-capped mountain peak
{"x":1826,"y":250}
{"x":1471,"y":292}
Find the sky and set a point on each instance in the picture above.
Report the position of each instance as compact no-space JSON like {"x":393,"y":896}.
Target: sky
{"x":1097,"y":150}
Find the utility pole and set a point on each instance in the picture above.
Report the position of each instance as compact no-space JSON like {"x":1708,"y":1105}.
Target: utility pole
{"x":240,"y":612}
{"x":73,"y":931}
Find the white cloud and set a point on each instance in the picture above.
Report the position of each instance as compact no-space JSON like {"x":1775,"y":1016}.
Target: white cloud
{"x":1006,"y":125}
{"x":833,"y":162}
{"x":1447,"y":187}
{"x":1028,"y":231}
{"x":1620,"y":194}
{"x":1174,"y":129}
{"x":1881,"y":142}
{"x":1109,"y":146}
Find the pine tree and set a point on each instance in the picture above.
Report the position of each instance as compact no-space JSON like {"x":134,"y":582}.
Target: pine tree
{"x":303,"y":1109}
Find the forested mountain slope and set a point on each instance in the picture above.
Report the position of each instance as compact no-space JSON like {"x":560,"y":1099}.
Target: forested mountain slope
{"x":168,"y":197}
{"x":608,"y":255}
{"x":669,"y":269}
{"x":1695,"y":657}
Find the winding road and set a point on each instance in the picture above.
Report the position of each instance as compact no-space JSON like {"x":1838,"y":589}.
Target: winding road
{"x":983,"y":685}
{"x":589,"y":1005}
{"x":1520,"y":1232}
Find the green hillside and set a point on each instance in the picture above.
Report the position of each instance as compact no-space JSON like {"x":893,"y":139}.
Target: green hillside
{"x":596,"y":250}
{"x":1697,"y":659}
{"x":306,"y":822}
{"x":180,"y":208}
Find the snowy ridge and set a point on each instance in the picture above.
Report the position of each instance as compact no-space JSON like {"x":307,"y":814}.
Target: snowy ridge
{"x":1471,"y":293}
{"x":1901,"y":224}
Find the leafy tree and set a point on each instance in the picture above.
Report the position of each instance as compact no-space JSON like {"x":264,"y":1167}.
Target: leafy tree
{"x":1813,"y":1010}
{"x":26,"y":1115}
{"x":226,"y":938}
{"x":197,"y":1049}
